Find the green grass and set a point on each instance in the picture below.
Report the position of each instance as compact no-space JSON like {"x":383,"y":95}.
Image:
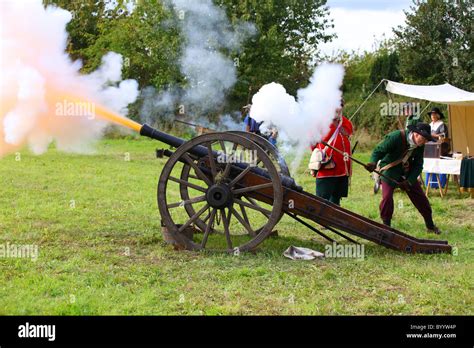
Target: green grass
{"x":85,"y":212}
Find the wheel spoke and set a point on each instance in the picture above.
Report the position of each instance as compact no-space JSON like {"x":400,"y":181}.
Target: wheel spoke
{"x":244,"y":213}
{"x":223,"y":147}
{"x":187,"y":183}
{"x":240,"y":176}
{"x":207,"y":217}
{"x":243,"y":222}
{"x":212,"y":161}
{"x":254,"y":206}
{"x":208,"y":227}
{"x":254,"y":202}
{"x":189,"y":201}
{"x":252,"y":188}
{"x":198,"y":171}
{"x":193,"y":218}
{"x":226,"y":228}
{"x":228,"y":165}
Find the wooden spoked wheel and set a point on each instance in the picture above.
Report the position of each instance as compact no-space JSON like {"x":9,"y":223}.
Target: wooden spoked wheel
{"x":209,"y":194}
{"x":269,"y":149}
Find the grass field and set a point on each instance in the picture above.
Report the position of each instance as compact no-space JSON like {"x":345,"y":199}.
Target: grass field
{"x":97,"y":227}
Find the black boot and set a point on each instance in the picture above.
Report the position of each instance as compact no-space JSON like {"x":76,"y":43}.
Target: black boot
{"x":387,"y":222}
{"x":434,"y":229}
{"x":431,"y":227}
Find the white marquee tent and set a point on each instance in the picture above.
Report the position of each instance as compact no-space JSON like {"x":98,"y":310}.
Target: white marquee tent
{"x":460,"y":108}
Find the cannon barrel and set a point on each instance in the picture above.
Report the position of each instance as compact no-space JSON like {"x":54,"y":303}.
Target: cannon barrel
{"x":166,"y":138}
{"x":201,"y":151}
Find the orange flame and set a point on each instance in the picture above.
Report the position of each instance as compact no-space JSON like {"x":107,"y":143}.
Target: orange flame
{"x":109,"y":115}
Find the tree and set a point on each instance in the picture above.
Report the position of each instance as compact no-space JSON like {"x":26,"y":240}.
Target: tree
{"x":285,"y":45}
{"x":149,"y":47}
{"x":82,"y":28}
{"x":436,"y":44}
{"x":283,"y":49}
{"x":385,"y":66}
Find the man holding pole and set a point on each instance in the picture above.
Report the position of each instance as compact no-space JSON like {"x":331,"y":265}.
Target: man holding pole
{"x":401,"y":162}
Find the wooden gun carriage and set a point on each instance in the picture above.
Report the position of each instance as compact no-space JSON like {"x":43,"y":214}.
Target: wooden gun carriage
{"x":234,"y":187}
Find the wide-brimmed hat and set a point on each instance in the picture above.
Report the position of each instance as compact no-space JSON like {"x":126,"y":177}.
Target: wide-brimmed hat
{"x":423,"y":129}
{"x":438,"y":111}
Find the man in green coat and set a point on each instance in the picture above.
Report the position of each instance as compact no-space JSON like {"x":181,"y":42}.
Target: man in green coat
{"x":401,"y":159}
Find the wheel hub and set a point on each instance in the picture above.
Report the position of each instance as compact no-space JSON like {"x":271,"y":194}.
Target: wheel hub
{"x":219,"y":196}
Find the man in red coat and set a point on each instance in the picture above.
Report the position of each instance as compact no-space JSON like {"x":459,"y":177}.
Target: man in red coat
{"x":332,"y":179}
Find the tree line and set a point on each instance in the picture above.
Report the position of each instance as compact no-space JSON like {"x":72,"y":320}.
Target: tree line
{"x":433,"y":46}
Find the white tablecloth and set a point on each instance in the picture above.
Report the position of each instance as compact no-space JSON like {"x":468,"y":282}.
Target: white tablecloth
{"x":441,"y":166}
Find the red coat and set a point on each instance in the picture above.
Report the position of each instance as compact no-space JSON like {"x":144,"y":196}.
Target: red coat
{"x":341,"y":142}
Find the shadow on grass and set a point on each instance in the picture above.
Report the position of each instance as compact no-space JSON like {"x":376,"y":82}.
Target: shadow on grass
{"x":274,"y":246}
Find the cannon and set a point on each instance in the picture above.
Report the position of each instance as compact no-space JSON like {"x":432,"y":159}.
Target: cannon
{"x":232,"y":188}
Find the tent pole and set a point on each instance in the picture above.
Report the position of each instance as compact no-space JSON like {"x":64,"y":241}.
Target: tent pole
{"x":426,"y":107}
{"x":361,"y":105}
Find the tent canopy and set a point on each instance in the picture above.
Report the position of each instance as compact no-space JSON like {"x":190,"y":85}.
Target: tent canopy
{"x":460,"y":106}
{"x":444,"y":94}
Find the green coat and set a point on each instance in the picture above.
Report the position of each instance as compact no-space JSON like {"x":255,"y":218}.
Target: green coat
{"x":391,"y":149}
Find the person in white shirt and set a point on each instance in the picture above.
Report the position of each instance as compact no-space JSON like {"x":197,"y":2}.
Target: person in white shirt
{"x":438,"y":127}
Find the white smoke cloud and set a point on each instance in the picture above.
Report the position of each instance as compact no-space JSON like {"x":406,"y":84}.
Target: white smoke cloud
{"x":40,"y":85}
{"x":230,"y":122}
{"x":108,"y":84}
{"x":208,"y":72}
{"x":305,"y":120}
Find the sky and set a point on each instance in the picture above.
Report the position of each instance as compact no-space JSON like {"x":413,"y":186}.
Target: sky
{"x":360,"y":23}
